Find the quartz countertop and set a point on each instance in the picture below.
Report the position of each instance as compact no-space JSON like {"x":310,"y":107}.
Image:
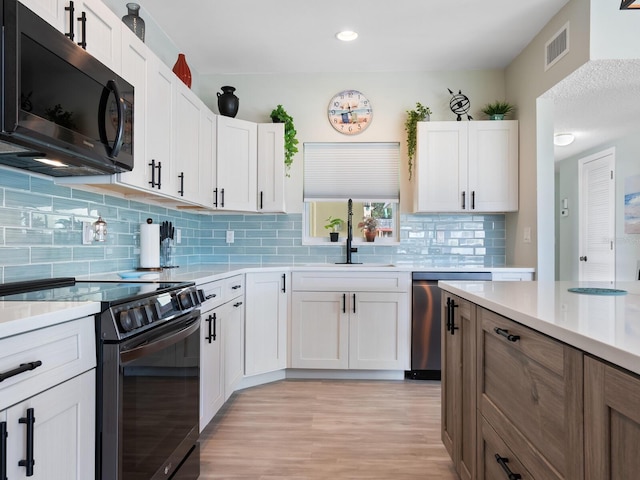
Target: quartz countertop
{"x":21,"y":317}
{"x":607,"y":327}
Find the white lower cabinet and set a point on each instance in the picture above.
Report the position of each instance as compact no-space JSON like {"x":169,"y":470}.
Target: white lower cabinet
{"x":221,"y":344}
{"x":367,"y":329}
{"x":63,"y":438}
{"x":266,"y":322}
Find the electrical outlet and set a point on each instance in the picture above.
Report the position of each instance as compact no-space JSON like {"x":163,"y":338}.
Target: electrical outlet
{"x":230,"y":236}
{"x":87,"y":233}
{"x":527,"y":235}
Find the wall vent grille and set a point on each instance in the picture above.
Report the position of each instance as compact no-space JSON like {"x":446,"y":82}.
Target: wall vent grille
{"x":557,"y":47}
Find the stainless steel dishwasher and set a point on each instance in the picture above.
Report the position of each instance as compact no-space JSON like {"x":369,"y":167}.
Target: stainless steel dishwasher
{"x":426,"y":321}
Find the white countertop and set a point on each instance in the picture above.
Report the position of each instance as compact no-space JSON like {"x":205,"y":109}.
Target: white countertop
{"x":21,"y":317}
{"x":607,"y":327}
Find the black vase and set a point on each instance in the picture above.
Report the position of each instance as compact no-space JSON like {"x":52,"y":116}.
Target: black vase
{"x":227,"y":102}
{"x":133,"y":20}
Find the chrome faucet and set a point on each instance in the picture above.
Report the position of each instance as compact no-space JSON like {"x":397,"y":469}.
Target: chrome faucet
{"x":350,"y":249}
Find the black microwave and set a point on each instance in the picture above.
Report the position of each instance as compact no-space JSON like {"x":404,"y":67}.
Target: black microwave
{"x":64,"y":113}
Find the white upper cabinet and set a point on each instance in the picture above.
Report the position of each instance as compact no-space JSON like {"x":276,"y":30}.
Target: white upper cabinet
{"x":271,"y":172}
{"x":237,"y":171}
{"x":53,"y":12}
{"x":207,"y":163}
{"x":467,"y":166}
{"x":101,"y":32}
{"x":187,"y":136}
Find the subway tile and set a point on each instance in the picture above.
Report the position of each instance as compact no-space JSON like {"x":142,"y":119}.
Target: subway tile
{"x":71,"y":206}
{"x":12,"y":217}
{"x":14,"y":179}
{"x":87,"y":253}
{"x":23,"y":236}
{"x":48,"y":187}
{"x":51,"y":254}
{"x":27,"y":200}
{"x":14,"y":256}
{"x":72,"y":269}
{"x":27,"y":272}
{"x":92,"y":197}
{"x":245,"y":259}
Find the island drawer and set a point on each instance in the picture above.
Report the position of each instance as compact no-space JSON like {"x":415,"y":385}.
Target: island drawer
{"x":57,"y":354}
{"x":324,"y":281}
{"x":530,"y":392}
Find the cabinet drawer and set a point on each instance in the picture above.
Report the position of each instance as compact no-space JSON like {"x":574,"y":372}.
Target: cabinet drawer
{"x":490,"y":445}
{"x":233,"y":287}
{"x":65,"y":350}
{"x":213,"y":294}
{"x":530,"y":391}
{"x":324,"y":281}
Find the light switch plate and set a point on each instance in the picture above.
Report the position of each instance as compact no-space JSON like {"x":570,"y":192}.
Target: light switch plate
{"x":230,"y":236}
{"x":87,"y":233}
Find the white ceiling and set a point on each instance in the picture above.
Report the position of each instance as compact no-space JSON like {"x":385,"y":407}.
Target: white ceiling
{"x":598,"y":102}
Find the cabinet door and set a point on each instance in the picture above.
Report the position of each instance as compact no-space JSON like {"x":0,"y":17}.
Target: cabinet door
{"x":102,"y":32}
{"x":207,"y":162}
{"x":52,"y":11}
{"x":493,"y":166}
{"x":64,"y":432}
{"x":266,"y":322}
{"x":187,"y":153}
{"x":612,"y":422}
{"x":441,"y":167}
{"x":379,"y":336}
{"x":319,"y":330}
{"x":271,"y":167}
{"x":233,"y":341}
{"x":237,"y":164}
{"x":459,"y":383}
{"x":135,"y":69}
{"x":160,"y":127}
{"x":211,"y":366}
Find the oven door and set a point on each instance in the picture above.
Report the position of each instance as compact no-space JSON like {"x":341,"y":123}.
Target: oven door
{"x":151,"y":402}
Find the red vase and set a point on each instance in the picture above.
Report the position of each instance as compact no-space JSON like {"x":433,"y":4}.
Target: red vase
{"x":181,"y":69}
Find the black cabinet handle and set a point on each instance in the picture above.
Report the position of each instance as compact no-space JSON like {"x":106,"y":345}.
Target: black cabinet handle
{"x":181,"y":177}
{"x":237,"y":304}
{"x":464,"y":200}
{"x":452,"y":313}
{"x":354,"y":303}
{"x":215,"y":198}
{"x":235,"y":287}
{"x":473,"y":200}
{"x":284,"y":283}
{"x":29,"y":462}
{"x":344,"y":303}
{"x":83,"y":20}
{"x":24,"y":367}
{"x":448,"y":314}
{"x":215,"y":317}
{"x":71,"y":36}
{"x":154,"y":167}
{"x":3,"y":450}
{"x":209,"y":336}
{"x":222,"y":195}
{"x":159,"y":175}
{"x":506,"y":334}
{"x":211,"y":320}
{"x":261,"y":200}
{"x":209,"y":297}
{"x":583,"y":258}
{"x":503,"y":463}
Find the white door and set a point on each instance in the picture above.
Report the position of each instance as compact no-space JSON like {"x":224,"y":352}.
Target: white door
{"x":232,"y":314}
{"x":102,"y":32}
{"x":187,"y":138}
{"x":211,"y":366}
{"x":597,"y":217}
{"x":271,"y":167}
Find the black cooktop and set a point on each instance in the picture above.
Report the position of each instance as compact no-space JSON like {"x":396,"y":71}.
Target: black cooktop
{"x":69,"y":289}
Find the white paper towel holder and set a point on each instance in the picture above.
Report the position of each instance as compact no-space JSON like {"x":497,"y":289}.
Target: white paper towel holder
{"x":149,"y":269}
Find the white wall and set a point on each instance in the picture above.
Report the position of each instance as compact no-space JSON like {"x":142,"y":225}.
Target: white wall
{"x":306,"y":98}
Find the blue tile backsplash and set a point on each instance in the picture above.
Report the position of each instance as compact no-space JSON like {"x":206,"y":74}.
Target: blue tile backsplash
{"x":41,"y":235}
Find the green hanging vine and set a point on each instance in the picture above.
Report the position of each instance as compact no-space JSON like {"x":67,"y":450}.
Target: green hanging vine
{"x":411,"y":126}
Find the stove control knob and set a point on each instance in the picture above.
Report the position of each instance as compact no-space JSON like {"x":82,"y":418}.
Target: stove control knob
{"x":184,"y":300}
{"x":149,"y":314}
{"x":200,"y":296}
{"x":138,"y":316}
{"x":126,"y":321}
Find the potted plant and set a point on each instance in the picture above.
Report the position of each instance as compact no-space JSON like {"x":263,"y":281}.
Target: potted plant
{"x":369,"y":226}
{"x":420,"y":114}
{"x":333,"y":224}
{"x":279,"y":115}
{"x":497,"y":110}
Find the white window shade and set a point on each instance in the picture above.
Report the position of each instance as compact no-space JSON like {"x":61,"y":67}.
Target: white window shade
{"x":360,"y":171}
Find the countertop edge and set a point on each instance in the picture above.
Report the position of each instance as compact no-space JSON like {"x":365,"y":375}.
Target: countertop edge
{"x":23,"y":317}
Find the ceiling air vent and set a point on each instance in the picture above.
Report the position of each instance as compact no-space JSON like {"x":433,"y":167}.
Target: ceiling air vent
{"x":557,"y":47}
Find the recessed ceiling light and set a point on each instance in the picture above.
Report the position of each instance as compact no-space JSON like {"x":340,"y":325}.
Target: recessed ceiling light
{"x":346,"y":35}
{"x":563,"y":139}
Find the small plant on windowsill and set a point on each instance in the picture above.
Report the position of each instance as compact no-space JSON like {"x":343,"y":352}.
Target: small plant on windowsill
{"x":333,"y":224}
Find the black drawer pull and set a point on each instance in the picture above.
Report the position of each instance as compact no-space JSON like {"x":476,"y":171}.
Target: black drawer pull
{"x":503,"y":463}
{"x":506,"y":334}
{"x":237,"y":304}
{"x":209,"y":297}
{"x":29,"y":462}
{"x":24,"y":367}
{"x":235,"y":287}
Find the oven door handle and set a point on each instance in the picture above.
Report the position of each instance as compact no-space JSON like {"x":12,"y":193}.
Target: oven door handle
{"x":162,"y":342}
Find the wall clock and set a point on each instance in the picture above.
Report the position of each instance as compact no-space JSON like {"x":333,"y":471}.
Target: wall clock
{"x":350,"y":112}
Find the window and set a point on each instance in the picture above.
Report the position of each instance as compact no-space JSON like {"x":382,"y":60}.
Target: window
{"x":367,"y":173}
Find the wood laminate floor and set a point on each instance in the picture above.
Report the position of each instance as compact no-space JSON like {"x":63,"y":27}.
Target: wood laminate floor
{"x":322,"y":429}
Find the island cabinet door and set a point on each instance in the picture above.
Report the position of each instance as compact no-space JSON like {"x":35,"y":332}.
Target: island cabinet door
{"x":612,"y":422}
{"x":459,"y":383}
{"x":530,"y":391}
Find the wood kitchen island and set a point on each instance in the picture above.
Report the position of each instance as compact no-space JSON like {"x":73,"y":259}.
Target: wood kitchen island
{"x":539,"y":381}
